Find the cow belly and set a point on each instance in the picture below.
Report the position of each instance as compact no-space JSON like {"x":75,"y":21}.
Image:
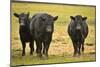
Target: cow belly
{"x":76,"y":37}
{"x":26,"y":37}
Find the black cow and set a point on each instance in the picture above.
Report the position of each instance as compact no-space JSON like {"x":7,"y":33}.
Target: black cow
{"x":24,"y":32}
{"x":42,"y":27}
{"x":78,"y":31}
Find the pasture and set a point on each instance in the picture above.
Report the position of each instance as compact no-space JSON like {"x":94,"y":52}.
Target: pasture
{"x":61,"y":48}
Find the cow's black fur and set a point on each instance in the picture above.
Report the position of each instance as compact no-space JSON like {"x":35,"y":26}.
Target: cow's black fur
{"x":78,"y":31}
{"x":24,"y":32}
{"x":42,"y":27}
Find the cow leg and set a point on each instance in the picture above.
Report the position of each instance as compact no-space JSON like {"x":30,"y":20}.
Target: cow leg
{"x":45,"y":50}
{"x":23,"y":45}
{"x":83,"y":48}
{"x":46,"y":47}
{"x":79,"y":47}
{"x":75,"y":48}
{"x":45,"y":55}
{"x":31,"y":47}
{"x":39,"y":48}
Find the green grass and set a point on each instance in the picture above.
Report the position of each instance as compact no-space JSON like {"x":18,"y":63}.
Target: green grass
{"x":33,"y":60}
{"x":61,"y":49}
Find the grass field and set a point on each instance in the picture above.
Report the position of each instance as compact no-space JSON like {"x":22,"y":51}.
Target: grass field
{"x":61,"y":49}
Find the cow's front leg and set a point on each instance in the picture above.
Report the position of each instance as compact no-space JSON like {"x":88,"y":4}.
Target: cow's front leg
{"x":23,"y":45}
{"x":31,"y":47}
{"x":82,"y":44}
{"x":75,"y":48}
{"x":39,"y":48}
{"x":46,"y":48}
{"x":79,"y":48}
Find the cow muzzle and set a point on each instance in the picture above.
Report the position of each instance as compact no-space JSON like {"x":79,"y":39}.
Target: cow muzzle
{"x":22,"y":24}
{"x":78,"y":28}
{"x":48,"y":29}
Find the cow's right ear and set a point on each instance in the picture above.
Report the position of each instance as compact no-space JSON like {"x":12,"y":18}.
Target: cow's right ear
{"x":55,"y":18}
{"x":16,"y":15}
{"x":72,"y":17}
{"x":84,"y":18}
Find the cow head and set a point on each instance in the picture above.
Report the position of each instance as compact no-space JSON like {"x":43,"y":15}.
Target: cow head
{"x":48,"y":21}
{"x":78,"y":21}
{"x":23,"y":18}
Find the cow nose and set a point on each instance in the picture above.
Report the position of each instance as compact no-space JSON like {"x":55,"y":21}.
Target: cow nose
{"x":49,"y":29}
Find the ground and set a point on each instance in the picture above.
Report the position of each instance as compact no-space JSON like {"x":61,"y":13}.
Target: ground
{"x":61,"y":49}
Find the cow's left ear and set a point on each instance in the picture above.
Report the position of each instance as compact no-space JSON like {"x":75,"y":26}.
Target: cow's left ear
{"x":55,"y":18}
{"x":84,"y":18}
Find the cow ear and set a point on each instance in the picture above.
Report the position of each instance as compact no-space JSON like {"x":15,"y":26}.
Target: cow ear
{"x":84,"y":18}
{"x":16,"y":15}
{"x":72,"y":17}
{"x":28,"y":14}
{"x":55,"y":18}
